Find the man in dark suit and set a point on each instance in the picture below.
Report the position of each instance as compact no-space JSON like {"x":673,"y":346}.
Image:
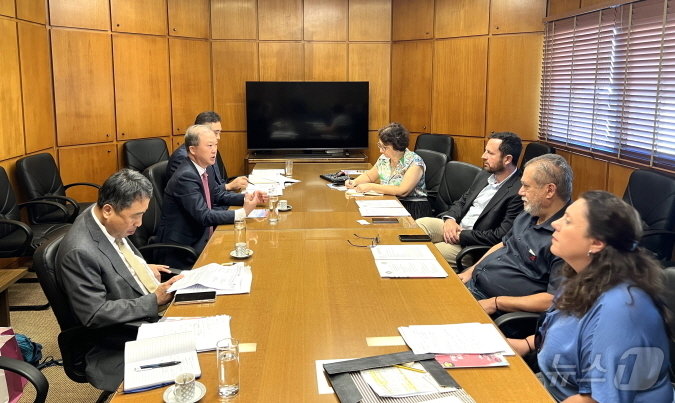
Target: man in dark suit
{"x":217,"y":172}
{"x":485,"y":213}
{"x":107,"y":283}
{"x":188,"y":213}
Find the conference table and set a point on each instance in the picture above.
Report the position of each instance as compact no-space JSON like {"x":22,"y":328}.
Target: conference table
{"x":316,"y":297}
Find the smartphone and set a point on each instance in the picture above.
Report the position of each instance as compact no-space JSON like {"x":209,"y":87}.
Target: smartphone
{"x":414,"y":238}
{"x":385,"y":220}
{"x":195,"y":297}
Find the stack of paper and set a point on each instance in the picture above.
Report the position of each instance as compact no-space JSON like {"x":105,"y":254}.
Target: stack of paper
{"x":406,"y":261}
{"x":235,"y":279}
{"x":475,"y":338}
{"x":206,"y":331}
{"x":399,"y":382}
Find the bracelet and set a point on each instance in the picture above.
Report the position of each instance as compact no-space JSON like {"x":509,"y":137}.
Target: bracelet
{"x":496,"y":306}
{"x":529,"y":347}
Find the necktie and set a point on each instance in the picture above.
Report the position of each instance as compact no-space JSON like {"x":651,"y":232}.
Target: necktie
{"x":207,"y":195}
{"x":137,"y":266}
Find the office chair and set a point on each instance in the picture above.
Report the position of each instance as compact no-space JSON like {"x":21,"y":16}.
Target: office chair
{"x":457,"y":179}
{"x":436,"y":142}
{"x":32,"y":374}
{"x":435,"y":163}
{"x":533,"y":150}
{"x":40,"y":178}
{"x":652,"y":194}
{"x":141,"y":153}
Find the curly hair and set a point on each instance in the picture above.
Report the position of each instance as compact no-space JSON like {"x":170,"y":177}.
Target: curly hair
{"x":396,"y":135}
{"x":617,"y":224}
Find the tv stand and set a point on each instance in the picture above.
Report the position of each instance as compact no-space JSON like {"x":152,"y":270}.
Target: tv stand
{"x":304,"y":156}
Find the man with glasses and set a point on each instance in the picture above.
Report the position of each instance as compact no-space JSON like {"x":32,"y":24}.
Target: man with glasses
{"x":212,"y":120}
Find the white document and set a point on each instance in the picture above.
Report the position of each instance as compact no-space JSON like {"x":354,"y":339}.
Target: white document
{"x":399,"y":382}
{"x":379,"y":203}
{"x":383,"y":212}
{"x":336,"y":186}
{"x":353,"y":171}
{"x":164,"y":349}
{"x":321,"y":377}
{"x":461,"y":338}
{"x":410,"y":268}
{"x":271,"y":188}
{"x":399,"y":252}
{"x":235,"y":279}
{"x":258,"y":213}
{"x":207,"y":331}
{"x":268,"y":172}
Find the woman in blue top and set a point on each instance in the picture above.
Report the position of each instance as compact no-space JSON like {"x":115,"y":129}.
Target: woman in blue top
{"x":606,"y":337}
{"x":399,"y":171}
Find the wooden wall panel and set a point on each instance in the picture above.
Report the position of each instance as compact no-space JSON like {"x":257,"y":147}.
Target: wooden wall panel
{"x":469,"y":149}
{"x":177,"y":141}
{"x":589,"y":174}
{"x":325,"y":61}
{"x":234,"y":19}
{"x":7,"y":8}
{"x":460,"y":71}
{"x":189,"y":18}
{"x":514,"y":77}
{"x":461,"y":18}
{"x":280,"y":20}
{"x":617,"y":178}
{"x":142,"y":96}
{"x":94,"y":163}
{"x":325,"y":20}
{"x":233,"y":148}
{"x":370,"y":20}
{"x":36,"y":79}
{"x":371,"y":62}
{"x":92,"y":14}
{"x":190,"y":69}
{"x":139,"y":16}
{"x":234,"y":63}
{"x":412,"y":19}
{"x":592,"y":3}
{"x":83,"y":87}
{"x":291,"y":69}
{"x":373,"y":152}
{"x":411,"y":84}
{"x":31,"y":10}
{"x":509,"y":16}
{"x":11,"y":113}
{"x":557,"y":7}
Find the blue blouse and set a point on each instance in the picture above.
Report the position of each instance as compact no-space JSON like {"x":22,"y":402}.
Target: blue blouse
{"x":617,"y":352}
{"x":389,"y":176}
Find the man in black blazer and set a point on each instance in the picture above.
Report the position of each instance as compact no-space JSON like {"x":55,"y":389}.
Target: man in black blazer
{"x":188,"y":216}
{"x":485,"y":213}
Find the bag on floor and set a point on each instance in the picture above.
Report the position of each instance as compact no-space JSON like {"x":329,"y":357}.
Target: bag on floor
{"x":11,"y":384}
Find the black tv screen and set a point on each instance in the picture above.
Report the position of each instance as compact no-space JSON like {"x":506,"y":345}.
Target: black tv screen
{"x":306,"y":115}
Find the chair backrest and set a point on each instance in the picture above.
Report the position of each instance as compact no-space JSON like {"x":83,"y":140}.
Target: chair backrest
{"x":535,"y":149}
{"x":8,"y":207}
{"x":457,"y":179}
{"x":653,"y":196}
{"x":141,"y":153}
{"x":39,"y":176}
{"x":435,"y":163}
{"x":32,"y":374}
{"x":156,"y":174}
{"x":437,"y":142}
{"x":221,"y":167}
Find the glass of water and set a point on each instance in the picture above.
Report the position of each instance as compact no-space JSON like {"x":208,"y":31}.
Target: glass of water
{"x":273,"y":216}
{"x":240,"y":241}
{"x":289,"y":168}
{"x":227,"y":355}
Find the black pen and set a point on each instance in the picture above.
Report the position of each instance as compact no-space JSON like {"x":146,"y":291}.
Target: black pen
{"x":158,"y":365}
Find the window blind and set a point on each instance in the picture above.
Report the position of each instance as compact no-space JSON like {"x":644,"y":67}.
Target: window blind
{"x":608,"y":83}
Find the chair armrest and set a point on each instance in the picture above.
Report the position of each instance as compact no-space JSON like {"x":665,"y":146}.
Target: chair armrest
{"x":524,"y":322}
{"x":148,"y":250}
{"x":29,"y":237}
{"x":29,"y":372}
{"x":472,"y":250}
{"x":45,"y":201}
{"x":82,"y":184}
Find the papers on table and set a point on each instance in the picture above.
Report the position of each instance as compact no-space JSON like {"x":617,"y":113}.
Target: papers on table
{"x":258,"y":213}
{"x":235,"y":279}
{"x":399,"y":382}
{"x":383,"y":212}
{"x":179,"y":347}
{"x":206,"y":331}
{"x":406,"y":261}
{"x":475,"y":338}
{"x":354,"y":192}
{"x":336,"y":186}
{"x":379,"y":203}
{"x":263,"y":172}
{"x":352,"y":171}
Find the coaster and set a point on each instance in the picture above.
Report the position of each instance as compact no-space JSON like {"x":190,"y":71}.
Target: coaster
{"x":248,"y":254}
{"x":200,"y":391}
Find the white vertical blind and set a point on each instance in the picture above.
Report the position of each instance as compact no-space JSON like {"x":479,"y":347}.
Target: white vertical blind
{"x":608,"y":83}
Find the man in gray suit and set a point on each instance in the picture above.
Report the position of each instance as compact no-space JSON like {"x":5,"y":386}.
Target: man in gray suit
{"x":107,"y":282}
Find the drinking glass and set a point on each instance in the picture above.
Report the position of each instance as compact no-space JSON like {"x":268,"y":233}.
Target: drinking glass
{"x":240,"y":241}
{"x":289,"y":167}
{"x":273,"y":216}
{"x":227,"y":356}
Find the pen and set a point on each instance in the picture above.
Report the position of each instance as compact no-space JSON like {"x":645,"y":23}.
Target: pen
{"x":410,"y":368}
{"x":158,"y":365}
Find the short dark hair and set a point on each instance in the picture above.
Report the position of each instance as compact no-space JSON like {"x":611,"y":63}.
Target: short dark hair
{"x":123,"y":188}
{"x":207,"y":117}
{"x":511,"y":145}
{"x":396,"y":135}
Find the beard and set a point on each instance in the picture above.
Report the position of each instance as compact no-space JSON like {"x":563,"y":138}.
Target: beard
{"x":532,"y":209}
{"x":495,"y":169}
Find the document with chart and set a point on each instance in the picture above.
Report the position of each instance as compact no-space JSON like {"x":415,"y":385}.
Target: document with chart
{"x":406,"y":261}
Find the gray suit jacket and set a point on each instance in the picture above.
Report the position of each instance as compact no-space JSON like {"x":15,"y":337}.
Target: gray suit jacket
{"x":102,"y":292}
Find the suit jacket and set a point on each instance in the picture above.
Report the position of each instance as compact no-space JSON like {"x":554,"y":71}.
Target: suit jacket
{"x":217,"y":172}
{"x":102,"y":293}
{"x":185,"y":215}
{"x":497,"y":217}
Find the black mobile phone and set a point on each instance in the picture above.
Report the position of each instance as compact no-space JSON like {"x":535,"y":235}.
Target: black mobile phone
{"x":195,"y":297}
{"x":414,"y":238}
{"x":385,"y":220}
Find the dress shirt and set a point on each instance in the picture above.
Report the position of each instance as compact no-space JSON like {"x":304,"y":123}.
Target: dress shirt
{"x":239,"y":214}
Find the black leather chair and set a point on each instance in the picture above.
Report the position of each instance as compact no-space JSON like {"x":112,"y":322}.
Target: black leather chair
{"x":653,"y":196}
{"x":457,"y":178}
{"x":437,"y":142}
{"x":32,"y":374}
{"x":139,"y":154}
{"x":435,"y":163}
{"x":40,"y":179}
{"x":533,"y":150}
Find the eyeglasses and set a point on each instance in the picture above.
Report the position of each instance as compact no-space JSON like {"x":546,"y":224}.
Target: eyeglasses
{"x":373,"y":241}
{"x":381,"y":146}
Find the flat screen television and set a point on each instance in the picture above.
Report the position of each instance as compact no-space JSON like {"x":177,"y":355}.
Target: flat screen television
{"x":306,"y":115}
